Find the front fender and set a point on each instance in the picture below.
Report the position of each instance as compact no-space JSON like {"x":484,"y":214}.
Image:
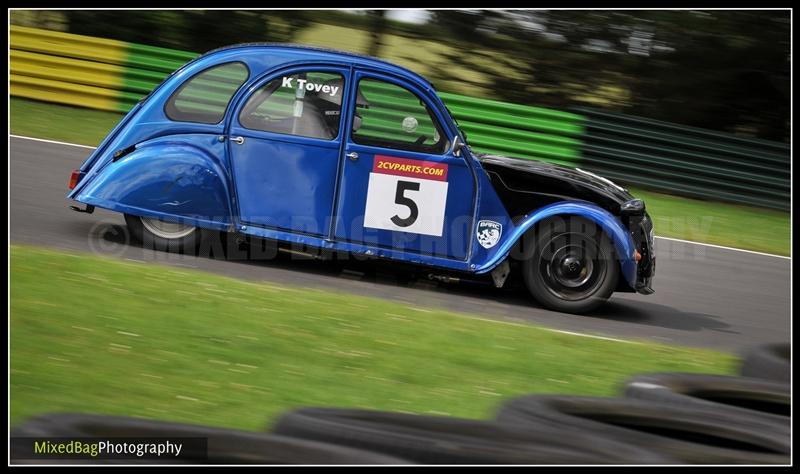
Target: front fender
{"x":164,"y":179}
{"x":619,"y":235}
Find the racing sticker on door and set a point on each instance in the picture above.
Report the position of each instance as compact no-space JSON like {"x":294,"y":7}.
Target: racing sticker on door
{"x":406,"y":195}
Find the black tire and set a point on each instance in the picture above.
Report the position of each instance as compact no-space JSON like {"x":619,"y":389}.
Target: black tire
{"x":444,"y":440}
{"x":687,"y":434}
{"x":571,"y":265}
{"x":225,"y":446}
{"x":749,"y":396}
{"x":183,"y":244}
{"x":769,"y":361}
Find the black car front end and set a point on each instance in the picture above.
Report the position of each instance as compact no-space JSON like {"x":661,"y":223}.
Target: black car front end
{"x":523,"y":185}
{"x":640,"y":225}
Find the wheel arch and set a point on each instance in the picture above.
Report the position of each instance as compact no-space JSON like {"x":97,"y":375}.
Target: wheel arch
{"x":611,"y":226}
{"x":188,"y":185}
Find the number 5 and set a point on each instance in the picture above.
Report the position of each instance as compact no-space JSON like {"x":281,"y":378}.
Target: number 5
{"x":400,"y":198}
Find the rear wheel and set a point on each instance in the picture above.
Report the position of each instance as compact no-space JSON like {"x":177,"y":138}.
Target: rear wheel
{"x":572,"y":266}
{"x":163,"y":235}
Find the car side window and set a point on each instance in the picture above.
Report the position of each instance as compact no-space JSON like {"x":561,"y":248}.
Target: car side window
{"x":391,"y":116}
{"x":204,"y":97}
{"x":305,"y":104}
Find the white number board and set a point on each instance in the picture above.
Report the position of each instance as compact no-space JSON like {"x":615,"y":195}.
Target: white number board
{"x":406,"y":195}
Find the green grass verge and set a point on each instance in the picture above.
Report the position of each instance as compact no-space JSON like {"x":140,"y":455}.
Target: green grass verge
{"x":93,"y":334}
{"x":743,"y":227}
{"x":32,"y":118}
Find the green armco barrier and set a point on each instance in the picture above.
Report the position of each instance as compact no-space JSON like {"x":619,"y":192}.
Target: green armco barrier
{"x":113,"y":75}
{"x":492,"y":126}
{"x":684,"y":160}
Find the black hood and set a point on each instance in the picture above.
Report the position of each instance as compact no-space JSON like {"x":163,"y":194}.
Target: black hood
{"x":525,"y":184}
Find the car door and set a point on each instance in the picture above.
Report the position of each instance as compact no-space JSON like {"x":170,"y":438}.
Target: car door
{"x":401,"y":187}
{"x":285,"y":145}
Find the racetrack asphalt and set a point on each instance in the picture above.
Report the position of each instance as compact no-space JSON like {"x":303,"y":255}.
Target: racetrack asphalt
{"x":705,"y":296}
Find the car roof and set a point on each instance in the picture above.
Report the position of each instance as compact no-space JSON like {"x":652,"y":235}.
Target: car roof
{"x":323,"y":53}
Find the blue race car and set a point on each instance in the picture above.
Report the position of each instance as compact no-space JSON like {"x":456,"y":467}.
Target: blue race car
{"x":354,"y":155}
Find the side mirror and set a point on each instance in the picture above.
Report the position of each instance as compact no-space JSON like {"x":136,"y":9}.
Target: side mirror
{"x":455,"y":148}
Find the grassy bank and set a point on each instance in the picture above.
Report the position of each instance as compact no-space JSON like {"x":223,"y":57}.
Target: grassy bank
{"x":64,"y":123}
{"x":682,"y":218}
{"x":105,"y":336}
{"x":751,"y":228}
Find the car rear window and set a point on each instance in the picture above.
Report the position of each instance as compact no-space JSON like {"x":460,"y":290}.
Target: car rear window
{"x":204,"y":97}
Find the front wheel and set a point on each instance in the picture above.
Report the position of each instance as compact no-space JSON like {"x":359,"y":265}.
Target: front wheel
{"x":572,"y":265}
{"x":163,"y":235}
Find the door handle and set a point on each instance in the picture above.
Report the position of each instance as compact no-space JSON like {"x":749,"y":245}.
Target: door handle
{"x":352,"y":155}
{"x":237,"y":140}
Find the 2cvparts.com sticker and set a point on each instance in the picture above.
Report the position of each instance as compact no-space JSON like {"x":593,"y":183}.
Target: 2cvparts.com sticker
{"x":406,"y":195}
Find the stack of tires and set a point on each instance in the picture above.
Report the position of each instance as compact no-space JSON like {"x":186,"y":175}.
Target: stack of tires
{"x":667,"y":418}
{"x":769,"y":361}
{"x":671,"y":418}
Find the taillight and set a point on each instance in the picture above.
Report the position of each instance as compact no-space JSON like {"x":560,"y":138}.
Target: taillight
{"x":74,"y":178}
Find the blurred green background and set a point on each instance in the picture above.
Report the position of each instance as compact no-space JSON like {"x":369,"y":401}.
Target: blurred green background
{"x":723,"y":70}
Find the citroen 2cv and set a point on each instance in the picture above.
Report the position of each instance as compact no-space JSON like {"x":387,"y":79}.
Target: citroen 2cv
{"x":353,"y":154}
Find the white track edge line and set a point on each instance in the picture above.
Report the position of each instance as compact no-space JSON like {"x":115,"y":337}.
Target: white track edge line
{"x":561,"y":331}
{"x":51,"y":141}
{"x":723,"y":247}
{"x":593,"y":336}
